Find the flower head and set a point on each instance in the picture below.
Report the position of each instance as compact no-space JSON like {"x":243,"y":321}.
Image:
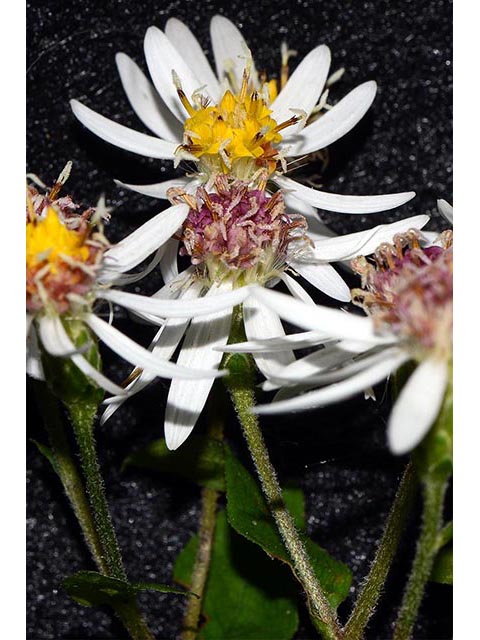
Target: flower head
{"x":238,"y":232}
{"x":407,"y":293}
{"x":234,"y":122}
{"x":68,"y":272}
{"x":62,"y":262}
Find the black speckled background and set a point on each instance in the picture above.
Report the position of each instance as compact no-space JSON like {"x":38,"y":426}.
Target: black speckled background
{"x":337,"y":455}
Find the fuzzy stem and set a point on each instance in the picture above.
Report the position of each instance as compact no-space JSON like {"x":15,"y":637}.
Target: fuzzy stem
{"x":68,"y":473}
{"x":82,"y":417}
{"x":433,"y":495}
{"x":206,"y":528}
{"x":372,"y":587}
{"x":202,"y":563}
{"x":240,"y":383}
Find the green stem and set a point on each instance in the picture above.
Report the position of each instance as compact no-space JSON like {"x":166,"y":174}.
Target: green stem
{"x":206,"y":529}
{"x":202,"y":563}
{"x":240,"y":384}
{"x":82,"y":417}
{"x":371,"y":590}
{"x":433,"y":495}
{"x":66,"y":469}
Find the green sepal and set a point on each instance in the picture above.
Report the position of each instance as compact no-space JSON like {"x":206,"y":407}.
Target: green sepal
{"x":433,"y":458}
{"x":63,"y":377}
{"x":200,"y":459}
{"x":249,"y":515}
{"x":247,"y":595}
{"x":90,"y":588}
{"x":443,"y":567}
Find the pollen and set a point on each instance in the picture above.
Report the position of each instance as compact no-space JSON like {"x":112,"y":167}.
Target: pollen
{"x":238,"y":135}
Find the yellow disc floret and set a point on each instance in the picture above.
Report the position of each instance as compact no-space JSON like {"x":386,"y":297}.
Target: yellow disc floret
{"x":238,"y":135}
{"x":49,"y":241}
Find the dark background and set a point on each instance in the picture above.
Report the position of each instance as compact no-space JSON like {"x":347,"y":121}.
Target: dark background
{"x":337,"y":455}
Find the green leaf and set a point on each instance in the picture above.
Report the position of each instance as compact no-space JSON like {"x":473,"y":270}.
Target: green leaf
{"x":249,"y":515}
{"x":163,"y":588}
{"x":443,"y":568}
{"x":200,"y":459}
{"x":247,"y":595}
{"x":48,"y":454}
{"x":90,"y":588}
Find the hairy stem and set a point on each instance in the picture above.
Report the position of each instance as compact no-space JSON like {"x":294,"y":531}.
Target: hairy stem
{"x":202,"y":563}
{"x":240,"y":383}
{"x":206,"y":530}
{"x":433,"y":495}
{"x":82,"y":418}
{"x":371,"y":590}
{"x":68,"y":473}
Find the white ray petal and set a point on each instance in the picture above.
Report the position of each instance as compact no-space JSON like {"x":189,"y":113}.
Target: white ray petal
{"x":335,"y":392}
{"x":121,"y":136}
{"x":316,"y":228}
{"x":446,"y":210}
{"x":146,"y":102}
{"x":296,"y":289}
{"x":417,"y":406}
{"x":303,"y":89}
{"x":162,"y":59}
{"x":159,"y":190}
{"x":230,"y":50}
{"x":56,"y":341}
{"x":189,"y":48}
{"x":112,"y":276}
{"x":335,"y":323}
{"x":323,"y":277}
{"x":50,"y":329}
{"x":333,"y":124}
{"x":34,"y":366}
{"x":314,"y":368}
{"x":139,"y":356}
{"x":187,"y":399}
{"x":340,"y":203}
{"x":169,"y":263}
{"x":363,"y":242}
{"x":283,"y":343}
{"x":177,"y":308}
{"x":146,"y":239}
{"x":261,"y":323}
{"x":163,"y":346}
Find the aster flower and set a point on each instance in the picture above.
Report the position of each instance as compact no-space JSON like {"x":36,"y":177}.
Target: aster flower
{"x":234,"y":122}
{"x":236,"y":236}
{"x":407,"y":295}
{"x":68,"y":271}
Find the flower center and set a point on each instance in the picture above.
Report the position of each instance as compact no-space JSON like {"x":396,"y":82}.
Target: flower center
{"x":237,"y":136}
{"x":409,"y":291}
{"x":238,"y":232}
{"x":61,"y":260}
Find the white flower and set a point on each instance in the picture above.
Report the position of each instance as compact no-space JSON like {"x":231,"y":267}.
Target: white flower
{"x":234,"y":121}
{"x":66,"y":276}
{"x":407,"y":295}
{"x":236,"y":237}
